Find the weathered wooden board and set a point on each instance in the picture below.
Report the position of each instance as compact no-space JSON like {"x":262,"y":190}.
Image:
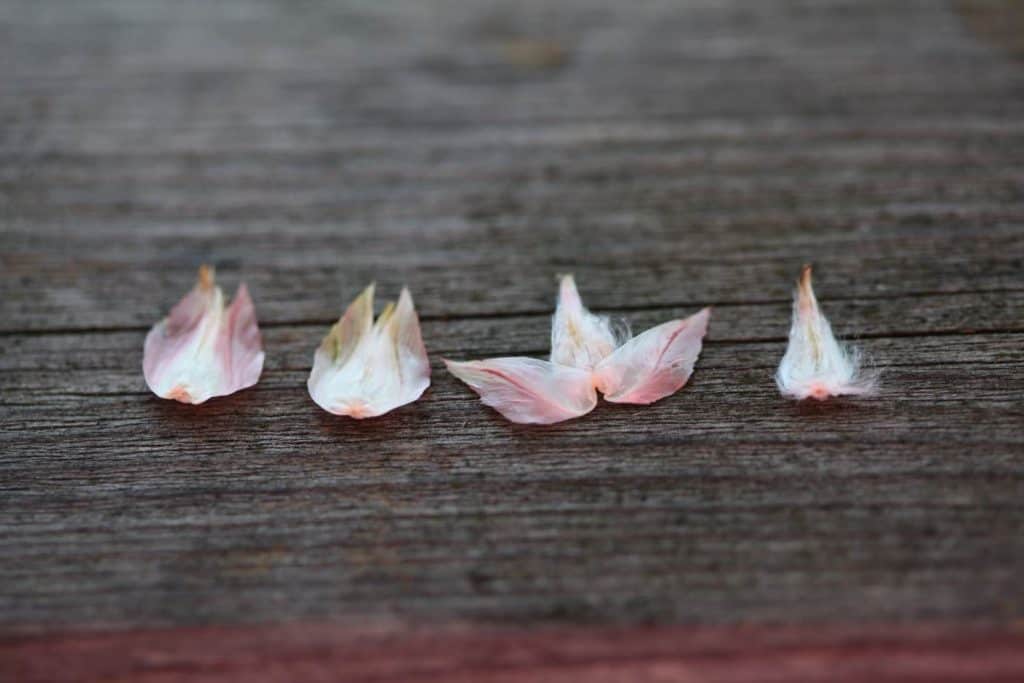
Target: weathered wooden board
{"x":672,"y":155}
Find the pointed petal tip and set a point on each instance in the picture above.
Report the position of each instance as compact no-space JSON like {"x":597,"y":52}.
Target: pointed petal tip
{"x":805,"y":298}
{"x":805,"y":278}
{"x":567,"y":291}
{"x":365,"y":295}
{"x":207,"y":276}
{"x":242,"y":293}
{"x":698,"y":321}
{"x":363,"y":301}
{"x":405,"y":297}
{"x":456,"y":367}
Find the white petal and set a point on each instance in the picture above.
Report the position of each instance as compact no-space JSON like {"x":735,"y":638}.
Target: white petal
{"x":202,"y":350}
{"x":528,"y":390}
{"x":654,"y":364}
{"x":364,"y":369}
{"x":579,"y":338}
{"x":815,"y":365}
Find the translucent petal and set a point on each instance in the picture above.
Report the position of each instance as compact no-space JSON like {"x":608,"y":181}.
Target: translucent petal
{"x":815,"y":365}
{"x":202,"y":350}
{"x":365,"y":369}
{"x":654,"y":364}
{"x":529,"y":390}
{"x":579,"y":338}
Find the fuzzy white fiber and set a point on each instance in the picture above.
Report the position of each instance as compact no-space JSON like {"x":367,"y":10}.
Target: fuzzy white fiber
{"x":815,"y":365}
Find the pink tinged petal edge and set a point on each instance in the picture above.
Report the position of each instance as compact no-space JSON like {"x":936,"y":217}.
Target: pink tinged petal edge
{"x":654,"y":364}
{"x":221,"y":350}
{"x":528,"y":390}
{"x":240,"y":344}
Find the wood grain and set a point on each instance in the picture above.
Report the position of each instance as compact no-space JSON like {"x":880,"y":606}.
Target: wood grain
{"x":670,"y":154}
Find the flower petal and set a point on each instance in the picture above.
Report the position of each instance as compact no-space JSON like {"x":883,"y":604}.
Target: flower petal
{"x":353,"y":326}
{"x":200,"y":350}
{"x":364,"y":369}
{"x":404,"y":328}
{"x":815,"y":365}
{"x":240,"y":344}
{"x":528,"y":390}
{"x":654,"y":364}
{"x":579,"y":338}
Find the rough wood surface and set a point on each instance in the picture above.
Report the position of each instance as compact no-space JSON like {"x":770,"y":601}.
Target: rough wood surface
{"x":671,"y":154}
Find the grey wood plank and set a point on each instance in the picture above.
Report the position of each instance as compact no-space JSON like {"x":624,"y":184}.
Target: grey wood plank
{"x":671,"y":154}
{"x":741,"y":337}
{"x":310,"y":278}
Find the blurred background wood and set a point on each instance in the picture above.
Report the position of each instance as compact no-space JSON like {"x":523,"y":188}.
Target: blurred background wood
{"x":671,"y":154}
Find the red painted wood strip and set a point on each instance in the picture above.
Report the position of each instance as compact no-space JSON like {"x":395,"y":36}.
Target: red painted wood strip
{"x":461,"y":653}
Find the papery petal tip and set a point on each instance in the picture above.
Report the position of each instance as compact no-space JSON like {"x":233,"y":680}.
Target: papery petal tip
{"x":207,"y":276}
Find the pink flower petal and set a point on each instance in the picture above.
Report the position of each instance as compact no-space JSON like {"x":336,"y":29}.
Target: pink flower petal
{"x":365,"y":369}
{"x":654,"y":364}
{"x":240,"y":345}
{"x":201,"y":350}
{"x":529,"y":390}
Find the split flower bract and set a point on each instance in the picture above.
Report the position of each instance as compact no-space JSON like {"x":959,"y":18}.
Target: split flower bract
{"x":202,"y":349}
{"x":364,"y":369}
{"x":588,"y":355}
{"x":815,"y":365}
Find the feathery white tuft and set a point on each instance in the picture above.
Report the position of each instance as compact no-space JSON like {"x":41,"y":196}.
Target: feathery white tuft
{"x":815,"y":365}
{"x":579,"y":338}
